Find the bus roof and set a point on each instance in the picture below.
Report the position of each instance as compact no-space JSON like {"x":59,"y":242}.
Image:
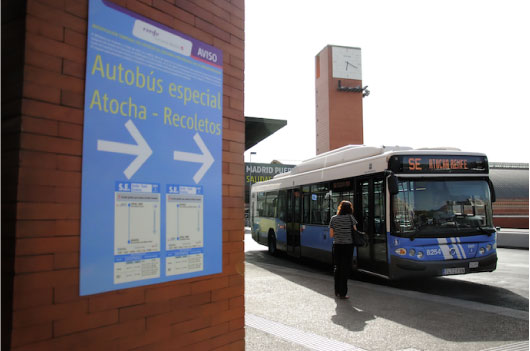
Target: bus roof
{"x":348,"y":161}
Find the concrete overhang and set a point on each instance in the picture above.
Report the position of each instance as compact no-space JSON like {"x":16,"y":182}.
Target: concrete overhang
{"x":257,"y":129}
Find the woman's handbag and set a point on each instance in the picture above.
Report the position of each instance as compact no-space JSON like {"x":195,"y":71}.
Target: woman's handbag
{"x":358,"y":237}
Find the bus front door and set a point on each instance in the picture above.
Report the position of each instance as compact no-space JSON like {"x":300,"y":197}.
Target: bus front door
{"x":293,"y":215}
{"x":370,"y":213}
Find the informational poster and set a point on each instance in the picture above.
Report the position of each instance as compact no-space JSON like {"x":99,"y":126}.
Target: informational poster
{"x":184,"y":229}
{"x":151,"y":192}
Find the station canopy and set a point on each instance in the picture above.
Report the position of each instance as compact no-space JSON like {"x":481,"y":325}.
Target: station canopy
{"x":258,"y":129}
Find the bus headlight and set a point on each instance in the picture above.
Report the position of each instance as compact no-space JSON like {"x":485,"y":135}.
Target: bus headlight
{"x":412,"y":252}
{"x":420,"y":254}
{"x":482,"y":250}
{"x":401,"y":252}
{"x":488,"y":247}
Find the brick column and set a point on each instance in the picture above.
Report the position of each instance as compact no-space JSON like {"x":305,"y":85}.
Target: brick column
{"x":43,"y":65}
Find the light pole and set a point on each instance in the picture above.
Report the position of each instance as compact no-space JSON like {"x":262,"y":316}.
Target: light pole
{"x":250,"y":180}
{"x":250,"y":188}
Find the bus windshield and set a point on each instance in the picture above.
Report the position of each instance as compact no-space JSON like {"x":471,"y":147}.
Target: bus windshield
{"x":442,"y":208}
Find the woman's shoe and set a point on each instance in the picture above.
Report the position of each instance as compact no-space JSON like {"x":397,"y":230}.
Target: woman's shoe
{"x":345,"y":297}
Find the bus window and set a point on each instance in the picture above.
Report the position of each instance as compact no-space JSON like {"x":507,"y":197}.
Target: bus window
{"x":320,"y":204}
{"x":335,"y":201}
{"x":270,"y":205}
{"x":348,"y":196}
{"x":252,"y":208}
{"x":443,"y":208}
{"x":260,"y":205}
{"x":297,"y":210}
{"x":379,"y":208}
{"x":306,"y":206}
{"x":294,"y":214}
{"x":282,"y":204}
{"x":336,"y":198}
{"x":342,"y":190}
{"x":365,"y":206}
{"x":326,"y":216}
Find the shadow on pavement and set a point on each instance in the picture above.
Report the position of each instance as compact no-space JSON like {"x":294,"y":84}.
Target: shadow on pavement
{"x":452,"y":323}
{"x":350,"y":317}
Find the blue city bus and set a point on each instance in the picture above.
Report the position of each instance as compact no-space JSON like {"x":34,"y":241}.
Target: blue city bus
{"x":426,"y":212}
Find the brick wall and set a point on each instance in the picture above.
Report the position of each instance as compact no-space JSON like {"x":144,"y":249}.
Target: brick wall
{"x":42,"y":130}
{"x":511,"y":213}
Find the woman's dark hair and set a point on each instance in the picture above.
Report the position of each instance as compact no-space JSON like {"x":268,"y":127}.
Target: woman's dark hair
{"x":345,"y":208}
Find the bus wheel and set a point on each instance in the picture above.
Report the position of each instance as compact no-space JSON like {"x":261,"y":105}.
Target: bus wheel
{"x":271,"y":243}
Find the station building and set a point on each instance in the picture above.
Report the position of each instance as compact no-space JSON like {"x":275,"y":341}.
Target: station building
{"x":510,"y":181}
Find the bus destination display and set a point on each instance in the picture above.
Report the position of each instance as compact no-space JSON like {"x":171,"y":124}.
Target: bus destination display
{"x":438,"y":164}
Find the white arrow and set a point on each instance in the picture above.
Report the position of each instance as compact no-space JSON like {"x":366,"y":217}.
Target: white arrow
{"x":141,"y":149}
{"x":205,"y":158}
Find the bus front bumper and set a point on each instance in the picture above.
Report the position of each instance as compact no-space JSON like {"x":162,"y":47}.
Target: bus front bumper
{"x":401,"y":268}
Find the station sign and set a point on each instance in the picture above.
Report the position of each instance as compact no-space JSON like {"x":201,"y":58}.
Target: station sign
{"x":151,"y":208}
{"x":260,"y":172}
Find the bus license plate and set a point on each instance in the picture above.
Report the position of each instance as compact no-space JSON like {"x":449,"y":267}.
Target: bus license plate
{"x":450,"y":271}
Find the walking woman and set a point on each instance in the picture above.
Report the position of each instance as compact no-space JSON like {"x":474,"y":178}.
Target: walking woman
{"x":340,"y":229}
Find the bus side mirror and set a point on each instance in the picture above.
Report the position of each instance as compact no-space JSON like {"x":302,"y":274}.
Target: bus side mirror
{"x":492,"y":191}
{"x":393,"y":188}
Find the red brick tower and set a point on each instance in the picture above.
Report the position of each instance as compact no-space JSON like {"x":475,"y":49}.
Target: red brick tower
{"x":339,"y":94}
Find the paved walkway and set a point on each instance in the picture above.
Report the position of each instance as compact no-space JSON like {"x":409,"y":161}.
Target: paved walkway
{"x":294,"y":309}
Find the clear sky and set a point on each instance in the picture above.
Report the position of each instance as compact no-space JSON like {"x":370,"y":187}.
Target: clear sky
{"x":440,"y":73}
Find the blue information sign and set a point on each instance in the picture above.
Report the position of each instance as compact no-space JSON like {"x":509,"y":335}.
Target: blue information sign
{"x":152,"y":149}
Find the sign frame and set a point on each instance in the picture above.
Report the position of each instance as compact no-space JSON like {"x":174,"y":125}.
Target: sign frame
{"x":151,"y":204}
